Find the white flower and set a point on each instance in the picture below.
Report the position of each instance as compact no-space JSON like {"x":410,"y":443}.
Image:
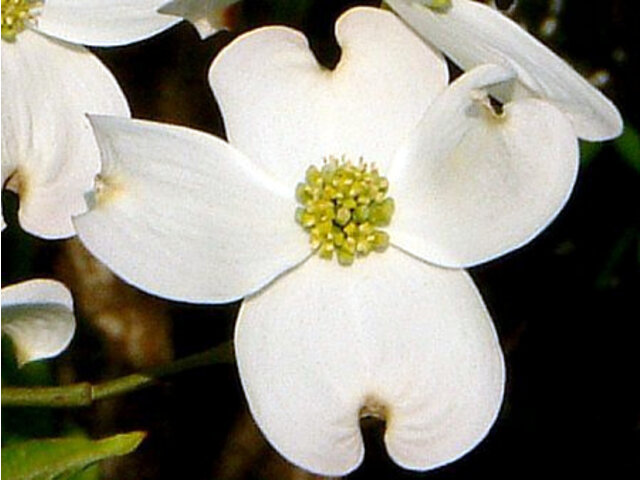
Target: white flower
{"x":472,"y":33}
{"x":49,"y":155}
{"x":188,"y":216}
{"x":38,"y":317}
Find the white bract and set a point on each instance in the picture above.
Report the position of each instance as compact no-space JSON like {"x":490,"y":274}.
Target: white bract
{"x":49,"y":83}
{"x":188,"y":216}
{"x":472,"y":33}
{"x":38,"y":317}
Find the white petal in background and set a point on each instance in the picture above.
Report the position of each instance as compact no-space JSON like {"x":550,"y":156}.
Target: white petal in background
{"x":472,"y":185}
{"x":472,"y":34}
{"x":208,"y":16}
{"x":284,"y":110}
{"x":103,"y":22}
{"x":183,"y":215}
{"x":48,"y":87}
{"x":38,"y":317}
{"x":325,"y":341}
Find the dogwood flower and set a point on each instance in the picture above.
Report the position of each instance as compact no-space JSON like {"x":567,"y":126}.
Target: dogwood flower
{"x":49,"y":83}
{"x":331,"y":210}
{"x":472,"y":33}
{"x":38,"y":317}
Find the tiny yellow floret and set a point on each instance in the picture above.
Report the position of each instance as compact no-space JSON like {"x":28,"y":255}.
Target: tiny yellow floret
{"x":15,"y":15}
{"x":437,"y":5}
{"x":343,"y":206}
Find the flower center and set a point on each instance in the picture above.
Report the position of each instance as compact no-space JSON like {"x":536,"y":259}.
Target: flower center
{"x":15,"y":15}
{"x":343,"y":206}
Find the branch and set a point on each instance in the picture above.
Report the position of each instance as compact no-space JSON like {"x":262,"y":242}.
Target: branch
{"x":84,"y":394}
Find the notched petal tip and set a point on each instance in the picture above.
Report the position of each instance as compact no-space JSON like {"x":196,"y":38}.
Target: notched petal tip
{"x":431,"y":364}
{"x":53,"y":174}
{"x":486,"y":183}
{"x":207,"y":16}
{"x":279,"y":103}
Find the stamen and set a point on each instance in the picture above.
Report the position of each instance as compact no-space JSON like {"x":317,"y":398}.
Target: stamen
{"x":343,"y":206}
{"x":440,"y":6}
{"x":16,"y":14}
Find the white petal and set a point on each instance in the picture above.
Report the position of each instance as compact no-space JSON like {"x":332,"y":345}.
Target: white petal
{"x":325,"y":341}
{"x":208,"y":16}
{"x":103,"y":23}
{"x":472,"y":33}
{"x":47,"y":88}
{"x":284,"y":110}
{"x":183,"y":215}
{"x":470,"y":185}
{"x":38,"y":317}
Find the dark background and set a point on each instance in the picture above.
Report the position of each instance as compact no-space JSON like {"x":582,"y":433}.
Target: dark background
{"x":566,"y":306}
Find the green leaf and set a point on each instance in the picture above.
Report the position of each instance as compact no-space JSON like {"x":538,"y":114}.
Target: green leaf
{"x":626,"y":244}
{"x":589,"y":151}
{"x":628,"y":146}
{"x":49,"y":458}
{"x":89,"y":473}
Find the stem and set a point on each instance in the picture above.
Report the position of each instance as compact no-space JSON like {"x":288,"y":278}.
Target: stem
{"x":84,"y":393}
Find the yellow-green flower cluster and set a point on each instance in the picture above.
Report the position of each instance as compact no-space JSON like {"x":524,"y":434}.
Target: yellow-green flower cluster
{"x":343,"y":207}
{"x":15,"y":13}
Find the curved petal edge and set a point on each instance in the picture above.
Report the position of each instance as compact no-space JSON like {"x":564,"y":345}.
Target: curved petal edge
{"x":473,"y":184}
{"x":183,"y":215}
{"x":472,"y":33}
{"x":38,"y":317}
